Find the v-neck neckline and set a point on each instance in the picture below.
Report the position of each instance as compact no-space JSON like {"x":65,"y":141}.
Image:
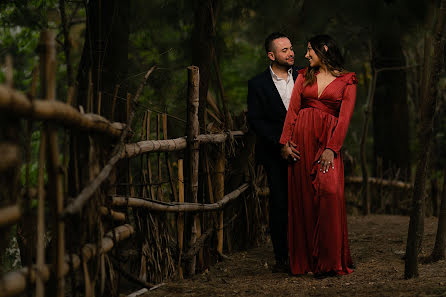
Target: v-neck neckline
{"x":317,"y":87}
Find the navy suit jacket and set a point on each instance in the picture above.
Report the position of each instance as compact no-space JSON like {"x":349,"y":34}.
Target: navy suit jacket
{"x":266,"y":114}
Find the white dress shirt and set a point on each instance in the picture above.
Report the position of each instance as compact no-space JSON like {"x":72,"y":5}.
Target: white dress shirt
{"x":284,"y":87}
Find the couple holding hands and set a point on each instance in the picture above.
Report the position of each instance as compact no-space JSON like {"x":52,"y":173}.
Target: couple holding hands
{"x":301,"y":117}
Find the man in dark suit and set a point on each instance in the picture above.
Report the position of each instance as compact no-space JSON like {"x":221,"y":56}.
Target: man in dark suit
{"x":268,"y":100}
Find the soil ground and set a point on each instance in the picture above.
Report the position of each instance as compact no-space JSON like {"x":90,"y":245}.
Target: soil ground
{"x":377,"y":244}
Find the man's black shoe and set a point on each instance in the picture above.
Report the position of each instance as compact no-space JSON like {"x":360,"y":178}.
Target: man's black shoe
{"x":325,"y":275}
{"x":280,"y":267}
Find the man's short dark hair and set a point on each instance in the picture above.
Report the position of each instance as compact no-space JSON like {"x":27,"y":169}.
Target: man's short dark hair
{"x":269,"y":40}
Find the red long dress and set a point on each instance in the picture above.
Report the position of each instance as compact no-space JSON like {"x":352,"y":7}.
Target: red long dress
{"x":317,"y":222}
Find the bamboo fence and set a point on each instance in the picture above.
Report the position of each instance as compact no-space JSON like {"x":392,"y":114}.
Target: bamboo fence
{"x":148,"y":197}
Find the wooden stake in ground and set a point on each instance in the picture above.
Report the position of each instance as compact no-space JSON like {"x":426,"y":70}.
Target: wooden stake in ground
{"x":169,"y":167}
{"x":158,"y":159}
{"x":219,"y":193}
{"x":40,"y":261}
{"x":149,"y":165}
{"x":193,"y":148}
{"x":180,"y":220}
{"x":425,"y":132}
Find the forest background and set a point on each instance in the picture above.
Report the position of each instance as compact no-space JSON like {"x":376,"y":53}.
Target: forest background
{"x":385,"y":35}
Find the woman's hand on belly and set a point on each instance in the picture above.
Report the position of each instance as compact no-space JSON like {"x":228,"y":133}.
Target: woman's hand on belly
{"x":326,"y":160}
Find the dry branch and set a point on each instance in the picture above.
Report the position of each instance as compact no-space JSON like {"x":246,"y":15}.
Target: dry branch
{"x":178,"y":207}
{"x":170,"y":145}
{"x":10,"y":156}
{"x":198,"y":245}
{"x":9,"y":215}
{"x":379,"y":182}
{"x":16,"y":102}
{"x":141,"y":147}
{"x":14,"y":283}
{"x":217,"y":138}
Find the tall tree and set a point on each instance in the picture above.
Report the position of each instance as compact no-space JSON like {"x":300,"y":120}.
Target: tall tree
{"x":103,"y":68}
{"x":434,"y":49}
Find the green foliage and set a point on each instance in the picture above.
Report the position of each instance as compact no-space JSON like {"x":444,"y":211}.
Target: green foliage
{"x":160,"y":33}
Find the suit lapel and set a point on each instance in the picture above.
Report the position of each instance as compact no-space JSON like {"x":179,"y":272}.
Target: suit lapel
{"x":295,"y":73}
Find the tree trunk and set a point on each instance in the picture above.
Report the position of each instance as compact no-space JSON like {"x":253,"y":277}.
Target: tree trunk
{"x":427,"y":112}
{"x":103,"y":66}
{"x":203,"y":47}
{"x":438,"y":252}
{"x":203,"y":35}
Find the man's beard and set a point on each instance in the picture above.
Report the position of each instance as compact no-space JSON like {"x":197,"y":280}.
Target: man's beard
{"x":283,"y":63}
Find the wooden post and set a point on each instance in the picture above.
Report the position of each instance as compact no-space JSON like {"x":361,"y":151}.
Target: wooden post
{"x":149,"y":165}
{"x":40,"y":261}
{"x":193,"y":149}
{"x":48,"y":75}
{"x":142,"y":179}
{"x":169,"y":168}
{"x":129,"y":107}
{"x":219,"y":193}
{"x":180,"y":220}
{"x":115,"y":96}
{"x":159,"y":192}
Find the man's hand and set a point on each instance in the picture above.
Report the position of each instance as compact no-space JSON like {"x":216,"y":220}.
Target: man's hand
{"x":289,"y":152}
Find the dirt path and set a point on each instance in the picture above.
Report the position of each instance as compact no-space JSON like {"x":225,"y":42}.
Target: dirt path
{"x":377,"y":244}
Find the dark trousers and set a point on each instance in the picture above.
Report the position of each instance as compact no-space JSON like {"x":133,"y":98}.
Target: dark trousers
{"x":277,"y":173}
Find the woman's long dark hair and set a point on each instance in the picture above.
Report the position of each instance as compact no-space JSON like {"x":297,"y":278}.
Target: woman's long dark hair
{"x":332,"y":58}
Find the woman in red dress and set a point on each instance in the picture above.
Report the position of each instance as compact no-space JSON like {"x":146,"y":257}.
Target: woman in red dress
{"x":321,"y":106}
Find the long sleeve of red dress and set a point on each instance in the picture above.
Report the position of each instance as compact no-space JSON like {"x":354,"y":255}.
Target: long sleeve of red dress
{"x":345,"y":114}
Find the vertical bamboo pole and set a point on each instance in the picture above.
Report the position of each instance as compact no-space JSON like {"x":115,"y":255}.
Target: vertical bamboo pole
{"x":129,"y":107}
{"x":180,"y":220}
{"x":142,"y":179}
{"x":90,"y":92}
{"x":115,"y":96}
{"x":99,"y":102}
{"x":193,"y":148}
{"x":219,"y":193}
{"x":48,"y":75}
{"x":40,"y":261}
{"x":159,"y":191}
{"x":169,"y":168}
{"x":149,"y":165}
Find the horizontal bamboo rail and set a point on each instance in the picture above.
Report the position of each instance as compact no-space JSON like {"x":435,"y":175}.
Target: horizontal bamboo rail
{"x":10,"y":155}
{"x":178,"y":207}
{"x":117,"y":216}
{"x":175,"y":144}
{"x":14,"y":283}
{"x":379,"y":182}
{"x":9,"y":215}
{"x":13,"y":101}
